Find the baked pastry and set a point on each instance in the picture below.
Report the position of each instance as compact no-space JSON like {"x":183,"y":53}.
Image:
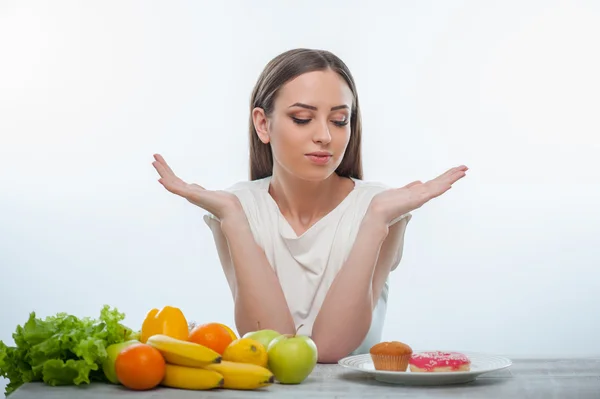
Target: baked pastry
{"x":438,"y":361}
{"x":390,"y":356}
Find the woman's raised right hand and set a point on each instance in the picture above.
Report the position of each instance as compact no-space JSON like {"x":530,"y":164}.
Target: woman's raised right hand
{"x":219,"y":203}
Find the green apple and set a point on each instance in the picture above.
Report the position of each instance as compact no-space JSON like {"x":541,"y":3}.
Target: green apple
{"x":292,"y":358}
{"x":263,"y":336}
{"x":108,"y":365}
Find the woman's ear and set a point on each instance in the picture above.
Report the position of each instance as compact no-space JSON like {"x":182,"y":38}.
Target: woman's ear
{"x":261,"y":124}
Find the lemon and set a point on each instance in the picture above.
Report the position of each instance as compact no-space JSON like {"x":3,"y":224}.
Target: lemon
{"x":246,"y":350}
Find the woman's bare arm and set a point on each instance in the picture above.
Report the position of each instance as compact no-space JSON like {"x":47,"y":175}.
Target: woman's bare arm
{"x":390,"y":256}
{"x":346,"y":313}
{"x":258,"y":296}
{"x":259,"y":299}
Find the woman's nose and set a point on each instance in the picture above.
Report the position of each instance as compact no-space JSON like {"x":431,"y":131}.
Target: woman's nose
{"x":321,"y":134}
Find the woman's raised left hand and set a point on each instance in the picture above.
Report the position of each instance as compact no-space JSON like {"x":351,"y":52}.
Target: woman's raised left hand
{"x":393,"y":203}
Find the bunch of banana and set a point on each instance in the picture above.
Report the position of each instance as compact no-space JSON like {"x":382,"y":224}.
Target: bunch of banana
{"x":242,"y":375}
{"x":183,"y":353}
{"x":193,"y":366}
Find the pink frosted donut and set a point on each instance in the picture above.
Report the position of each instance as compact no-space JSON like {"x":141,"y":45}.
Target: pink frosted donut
{"x":437,"y":361}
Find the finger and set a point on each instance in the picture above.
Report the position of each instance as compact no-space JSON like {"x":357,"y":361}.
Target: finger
{"x":454,"y":177}
{"x":452,"y":174}
{"x":435,"y":189}
{"x":174,"y":185}
{"x":438,"y":186}
{"x":162,"y":161}
{"x":454,"y":170}
{"x":462,"y":168}
{"x":161,"y":170}
{"x":443,"y":175}
{"x":414,"y":183}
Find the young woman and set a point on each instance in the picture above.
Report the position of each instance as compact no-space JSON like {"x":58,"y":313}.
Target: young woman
{"x":306,"y":241}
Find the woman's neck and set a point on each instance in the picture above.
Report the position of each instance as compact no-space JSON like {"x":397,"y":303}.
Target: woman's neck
{"x":304,"y":202}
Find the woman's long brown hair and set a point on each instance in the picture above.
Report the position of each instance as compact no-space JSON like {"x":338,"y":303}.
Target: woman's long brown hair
{"x":277,"y":72}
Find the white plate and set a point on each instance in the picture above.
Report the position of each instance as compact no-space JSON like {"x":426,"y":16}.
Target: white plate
{"x":480,"y":364}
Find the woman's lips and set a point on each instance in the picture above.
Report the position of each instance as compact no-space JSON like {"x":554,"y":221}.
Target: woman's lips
{"x":319,"y":158}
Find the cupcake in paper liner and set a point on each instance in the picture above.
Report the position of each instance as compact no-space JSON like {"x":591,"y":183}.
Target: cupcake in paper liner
{"x":391,"y":356}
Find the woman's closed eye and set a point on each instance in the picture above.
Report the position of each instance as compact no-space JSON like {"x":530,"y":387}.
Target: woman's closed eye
{"x":300,"y":121}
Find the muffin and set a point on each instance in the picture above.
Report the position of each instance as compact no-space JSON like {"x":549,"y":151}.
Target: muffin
{"x":390,"y":356}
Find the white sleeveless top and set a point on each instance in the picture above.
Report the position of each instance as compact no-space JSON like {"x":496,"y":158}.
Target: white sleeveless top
{"x":307,"y":264}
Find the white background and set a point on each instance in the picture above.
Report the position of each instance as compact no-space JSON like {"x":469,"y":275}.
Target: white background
{"x":506,"y":262}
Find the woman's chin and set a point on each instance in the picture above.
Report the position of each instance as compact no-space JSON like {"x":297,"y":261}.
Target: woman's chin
{"x":310,"y":172}
{"x":315,"y":175}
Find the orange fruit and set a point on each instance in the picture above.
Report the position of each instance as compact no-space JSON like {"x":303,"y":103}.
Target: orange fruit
{"x":231,"y":332}
{"x":246,"y":350}
{"x":212,"y":335}
{"x":140,"y":367}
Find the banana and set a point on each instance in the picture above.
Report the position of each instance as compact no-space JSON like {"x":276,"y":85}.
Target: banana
{"x":183,"y":353}
{"x":191,"y":378}
{"x":242,"y":375}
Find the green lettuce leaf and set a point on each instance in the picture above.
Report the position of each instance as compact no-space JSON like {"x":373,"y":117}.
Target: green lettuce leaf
{"x":61,"y":349}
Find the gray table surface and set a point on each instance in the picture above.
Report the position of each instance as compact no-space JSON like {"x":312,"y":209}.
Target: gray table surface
{"x":526,"y":378}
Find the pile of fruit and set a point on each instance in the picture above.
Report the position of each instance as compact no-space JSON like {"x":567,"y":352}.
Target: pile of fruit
{"x":207,"y":357}
{"x":167,"y":351}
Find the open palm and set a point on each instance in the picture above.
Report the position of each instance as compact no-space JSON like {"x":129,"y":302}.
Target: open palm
{"x":216,"y":202}
{"x":395,"y":202}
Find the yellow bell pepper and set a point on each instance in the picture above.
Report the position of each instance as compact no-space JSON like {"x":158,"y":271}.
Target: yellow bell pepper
{"x":168,"y":321}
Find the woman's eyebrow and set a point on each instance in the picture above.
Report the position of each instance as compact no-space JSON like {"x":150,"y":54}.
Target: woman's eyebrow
{"x":311,"y":107}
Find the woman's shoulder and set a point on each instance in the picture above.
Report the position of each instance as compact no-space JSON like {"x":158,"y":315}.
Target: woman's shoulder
{"x":371,"y":187}
{"x":249,"y":186}
{"x":251,"y":194}
{"x":367,"y":189}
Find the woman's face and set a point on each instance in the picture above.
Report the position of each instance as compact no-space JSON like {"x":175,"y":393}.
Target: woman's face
{"x":309,"y":128}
